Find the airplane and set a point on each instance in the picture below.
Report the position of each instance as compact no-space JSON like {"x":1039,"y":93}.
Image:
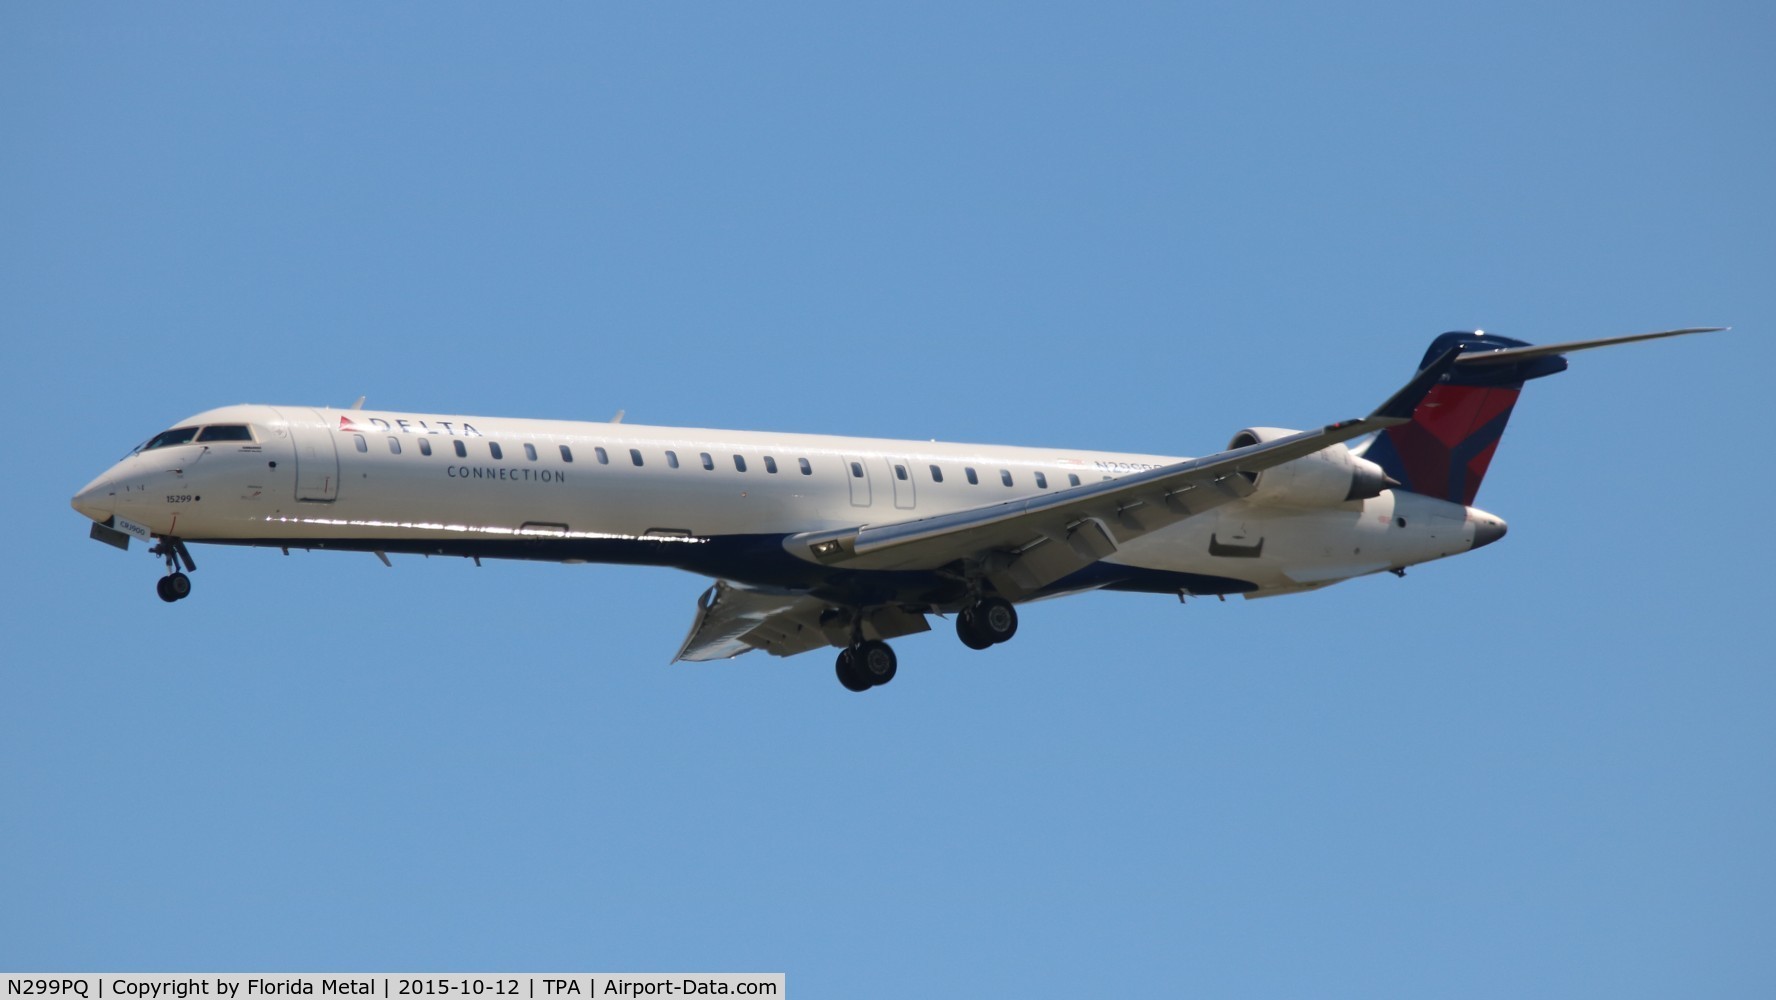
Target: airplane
{"x":821,"y":541}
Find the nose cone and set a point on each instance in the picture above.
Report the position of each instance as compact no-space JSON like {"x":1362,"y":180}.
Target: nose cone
{"x":1487,"y":527}
{"x":95,"y":500}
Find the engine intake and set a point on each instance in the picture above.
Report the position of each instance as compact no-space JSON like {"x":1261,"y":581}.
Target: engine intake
{"x":1332,"y":475}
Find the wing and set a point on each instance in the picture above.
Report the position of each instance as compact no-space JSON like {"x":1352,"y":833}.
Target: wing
{"x":732,"y":620}
{"x":1026,"y":544}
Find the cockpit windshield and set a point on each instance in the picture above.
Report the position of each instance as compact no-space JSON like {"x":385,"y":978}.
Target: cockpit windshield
{"x":225,"y":432}
{"x":187,"y":435}
{"x":178,"y":435}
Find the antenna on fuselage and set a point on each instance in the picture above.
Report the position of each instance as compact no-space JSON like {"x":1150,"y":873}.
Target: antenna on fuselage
{"x":619,"y":417}
{"x":359,"y":404}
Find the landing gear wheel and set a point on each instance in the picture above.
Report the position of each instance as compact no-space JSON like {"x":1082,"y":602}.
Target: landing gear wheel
{"x":850,"y":675}
{"x":991,"y":621}
{"x":875,"y":661}
{"x":996,"y":619}
{"x":175,"y":586}
{"x":968,"y":630}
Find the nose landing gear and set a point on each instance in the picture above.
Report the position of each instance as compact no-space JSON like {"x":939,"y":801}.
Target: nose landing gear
{"x":175,"y":586}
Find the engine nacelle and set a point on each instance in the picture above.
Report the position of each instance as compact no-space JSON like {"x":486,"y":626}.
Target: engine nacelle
{"x":1325,"y":478}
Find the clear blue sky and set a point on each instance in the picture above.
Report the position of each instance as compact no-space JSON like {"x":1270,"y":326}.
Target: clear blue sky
{"x":1544,"y":769}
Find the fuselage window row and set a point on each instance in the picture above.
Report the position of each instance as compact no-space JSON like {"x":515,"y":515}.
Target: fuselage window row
{"x":901,"y":471}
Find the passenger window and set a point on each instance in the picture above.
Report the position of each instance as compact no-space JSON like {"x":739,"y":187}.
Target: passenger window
{"x":425,"y":447}
{"x":603,"y":456}
{"x":900,"y":472}
{"x":936,"y":474}
{"x":360,"y":443}
{"x":740,"y":463}
{"x":461,"y":451}
{"x":1072,"y":479}
{"x":807,"y":470}
{"x":770,"y":465}
{"x":493,"y":449}
{"x":635,"y":456}
{"x":530,"y":452}
{"x":226,"y":432}
{"x":394,"y":446}
{"x":973,"y":480}
{"x":178,"y":435}
{"x":566,"y":455}
{"x":708,"y":463}
{"x":672,"y":459}
{"x":857,"y":470}
{"x":1005,"y":476}
{"x":1041,"y":481}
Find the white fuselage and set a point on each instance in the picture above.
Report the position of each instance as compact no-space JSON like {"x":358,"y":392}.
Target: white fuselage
{"x":717,"y":502}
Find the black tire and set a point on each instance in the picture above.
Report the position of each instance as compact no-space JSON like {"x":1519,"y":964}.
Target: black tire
{"x":161,"y":587}
{"x":969,"y":632}
{"x":995,"y":620}
{"x":178,"y":585}
{"x":875,"y":661}
{"x":849,"y":675}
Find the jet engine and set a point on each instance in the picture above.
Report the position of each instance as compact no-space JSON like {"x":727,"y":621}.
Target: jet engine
{"x":1327,"y":477}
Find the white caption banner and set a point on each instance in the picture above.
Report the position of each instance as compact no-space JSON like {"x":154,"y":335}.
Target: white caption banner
{"x":389,"y":985}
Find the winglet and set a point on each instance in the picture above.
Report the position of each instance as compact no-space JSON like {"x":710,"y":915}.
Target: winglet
{"x":1400,"y":406}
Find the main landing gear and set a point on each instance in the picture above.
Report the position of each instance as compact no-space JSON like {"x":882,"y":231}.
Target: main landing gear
{"x":992,"y":620}
{"x":867,"y":663}
{"x":175,"y":586}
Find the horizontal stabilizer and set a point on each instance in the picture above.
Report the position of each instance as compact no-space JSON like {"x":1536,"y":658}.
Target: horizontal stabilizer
{"x":1445,"y":449}
{"x":1513,"y":354}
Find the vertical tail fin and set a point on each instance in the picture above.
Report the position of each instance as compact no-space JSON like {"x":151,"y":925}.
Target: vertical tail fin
{"x":1445,"y":450}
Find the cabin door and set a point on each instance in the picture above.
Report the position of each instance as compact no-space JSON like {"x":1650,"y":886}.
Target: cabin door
{"x":317,"y":462}
{"x":857,"y":474}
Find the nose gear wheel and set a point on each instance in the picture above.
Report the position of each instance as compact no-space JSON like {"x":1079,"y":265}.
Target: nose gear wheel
{"x":175,"y":586}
